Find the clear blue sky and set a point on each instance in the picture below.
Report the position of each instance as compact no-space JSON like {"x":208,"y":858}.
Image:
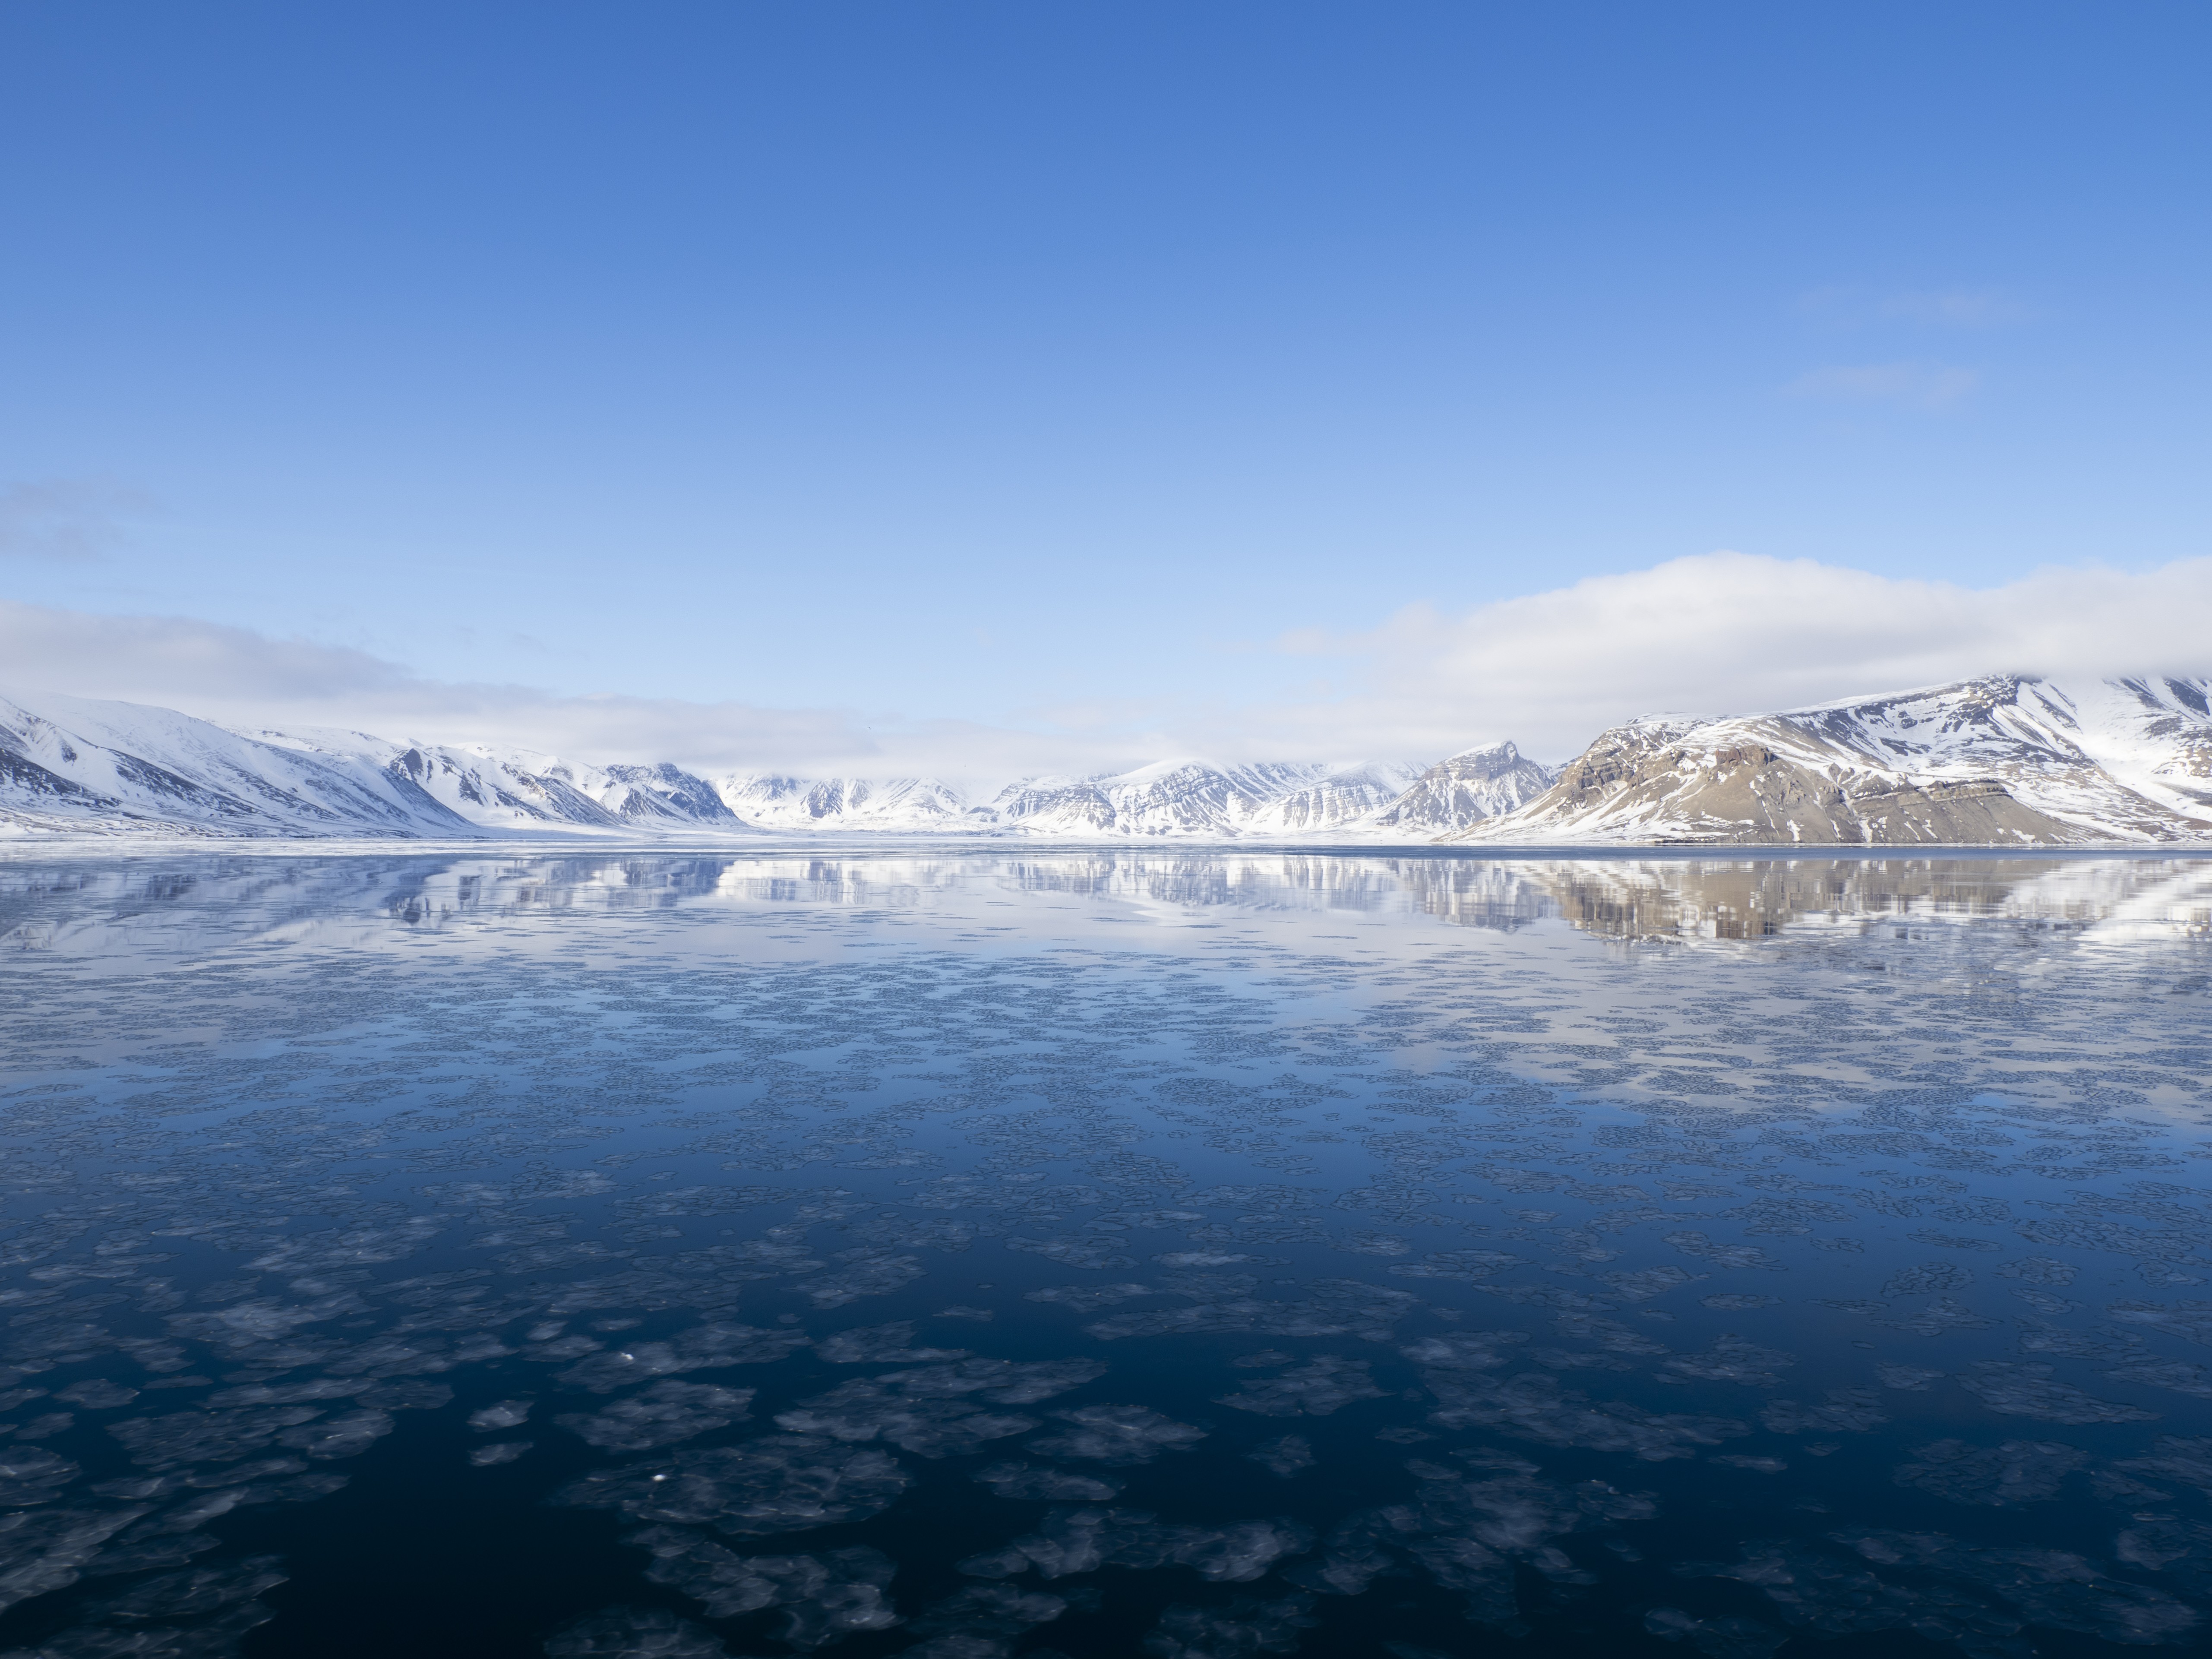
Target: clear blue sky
{"x":963,"y":358}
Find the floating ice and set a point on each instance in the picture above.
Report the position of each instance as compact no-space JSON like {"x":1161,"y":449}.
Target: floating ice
{"x":1083,"y":1540}
{"x":1117,"y":1435}
{"x":2045,"y":1587}
{"x":1847,"y":1410}
{"x":1318,"y":1389}
{"x":659,"y":1415}
{"x":1242,"y":1627}
{"x":1463,"y":1351}
{"x":1029,"y":1480}
{"x":2186,"y":1458}
{"x":96,"y":1394}
{"x":706,"y":1347}
{"x":205,"y":1250}
{"x":1534,"y":1407}
{"x":2038,"y":1270}
{"x":1928,"y":1279}
{"x":889,"y":1343}
{"x":1724,"y":1255}
{"x":1910,"y":1379}
{"x":778,"y":1484}
{"x":825,"y":1596}
{"x":2027,"y":1390}
{"x":1727,"y":1637}
{"x":634,"y":1633}
{"x":1285,"y":1456}
{"x":2017,"y":1472}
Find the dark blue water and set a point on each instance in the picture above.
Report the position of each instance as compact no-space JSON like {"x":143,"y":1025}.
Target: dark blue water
{"x":1170,"y":1254}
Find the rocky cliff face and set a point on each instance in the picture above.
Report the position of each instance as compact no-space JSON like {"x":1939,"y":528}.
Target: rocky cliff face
{"x":1658,"y":782}
{"x":2003,"y":761}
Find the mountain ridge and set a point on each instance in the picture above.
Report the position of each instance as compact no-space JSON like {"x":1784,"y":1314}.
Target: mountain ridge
{"x":2000,"y":760}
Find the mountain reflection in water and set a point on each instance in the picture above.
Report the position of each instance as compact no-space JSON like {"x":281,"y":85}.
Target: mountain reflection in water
{"x":1192,"y":1253}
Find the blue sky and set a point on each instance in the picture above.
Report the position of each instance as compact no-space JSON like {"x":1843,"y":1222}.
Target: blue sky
{"x":1044,"y":366}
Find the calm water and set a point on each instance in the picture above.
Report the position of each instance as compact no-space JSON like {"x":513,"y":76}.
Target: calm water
{"x":1186,"y":1256}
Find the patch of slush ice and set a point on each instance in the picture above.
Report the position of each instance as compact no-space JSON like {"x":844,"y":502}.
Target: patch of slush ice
{"x":780,"y":1483}
{"x":1284,"y":1457}
{"x":876,"y":1345}
{"x":2027,"y":1390}
{"x":659,"y":1415}
{"x":1318,"y":1389}
{"x":1029,"y":1480}
{"x":1242,"y":1627}
{"x":825,"y":1597}
{"x":1117,"y":1435}
{"x":634,"y":1633}
{"x":2017,"y":1472}
{"x":500,"y":1415}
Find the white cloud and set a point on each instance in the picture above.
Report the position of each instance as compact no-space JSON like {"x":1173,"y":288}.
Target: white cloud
{"x":1718,"y":633}
{"x":1915,"y":385}
{"x":243,"y":678}
{"x":1724,"y":633}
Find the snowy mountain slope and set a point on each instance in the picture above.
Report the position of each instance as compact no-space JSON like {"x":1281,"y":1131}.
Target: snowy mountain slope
{"x":77,"y":767}
{"x":860,"y":805}
{"x":72,"y":766}
{"x":665,"y":794}
{"x":2154,"y":736}
{"x":1469,"y":787}
{"x":1178,"y":797}
{"x":2004,"y":760}
{"x":1196,"y":798}
{"x":2035,"y":739}
{"x":1342,"y":799}
{"x":511,"y":790}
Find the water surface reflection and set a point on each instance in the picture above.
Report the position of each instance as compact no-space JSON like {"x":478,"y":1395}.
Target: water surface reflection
{"x":1187,"y":1253}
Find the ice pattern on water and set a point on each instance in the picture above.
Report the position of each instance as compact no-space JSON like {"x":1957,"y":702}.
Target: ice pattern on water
{"x":880,"y":1277}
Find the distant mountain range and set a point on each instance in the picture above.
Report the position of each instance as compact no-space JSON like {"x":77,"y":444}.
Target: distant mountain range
{"x":2005,"y":760}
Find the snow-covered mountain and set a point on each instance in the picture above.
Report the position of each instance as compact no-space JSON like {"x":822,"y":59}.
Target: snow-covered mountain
{"x":72,"y":766}
{"x":843,"y":804}
{"x":1176,"y":798}
{"x":664,"y":795}
{"x":1460,"y":792}
{"x":2004,"y":760}
{"x":69,"y":766}
{"x":1194,"y":797}
{"x":511,"y":789}
{"x":2007,"y":760}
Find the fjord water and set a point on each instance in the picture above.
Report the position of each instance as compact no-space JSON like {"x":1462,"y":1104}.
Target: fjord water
{"x":1169,"y":1252}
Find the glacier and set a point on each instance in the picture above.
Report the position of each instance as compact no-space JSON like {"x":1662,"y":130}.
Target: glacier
{"x":2002,"y":760}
